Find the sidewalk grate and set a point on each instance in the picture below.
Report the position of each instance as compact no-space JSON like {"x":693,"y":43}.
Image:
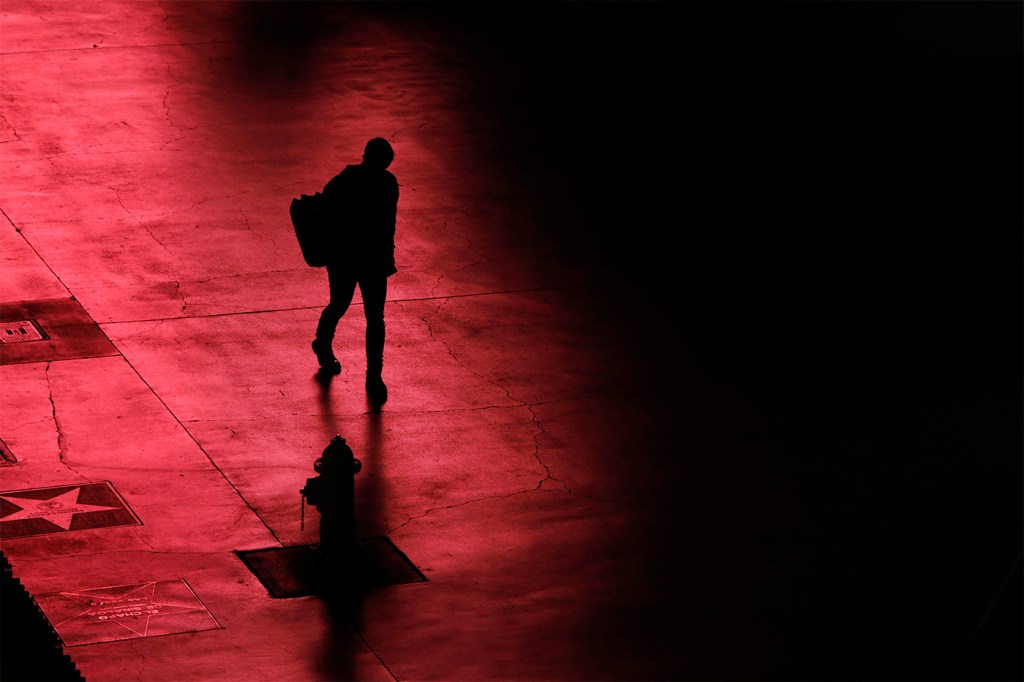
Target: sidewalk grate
{"x":298,"y":571}
{"x":20,"y":331}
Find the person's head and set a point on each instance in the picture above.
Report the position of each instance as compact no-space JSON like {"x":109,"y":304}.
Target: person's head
{"x":378,"y":153}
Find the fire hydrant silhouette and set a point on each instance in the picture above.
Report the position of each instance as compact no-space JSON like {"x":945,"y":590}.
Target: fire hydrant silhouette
{"x":333,"y":493}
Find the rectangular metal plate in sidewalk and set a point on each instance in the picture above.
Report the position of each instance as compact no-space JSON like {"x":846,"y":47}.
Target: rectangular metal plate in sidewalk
{"x":298,"y":571}
{"x":108,"y":614}
{"x":60,"y":509}
{"x":49,"y":329}
{"x":21,"y":331}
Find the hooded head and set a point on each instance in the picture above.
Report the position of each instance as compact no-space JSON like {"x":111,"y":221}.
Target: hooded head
{"x":378,"y":153}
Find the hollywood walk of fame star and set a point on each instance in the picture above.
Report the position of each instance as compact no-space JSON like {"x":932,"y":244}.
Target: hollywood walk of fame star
{"x":58,"y":510}
{"x":132,"y":609}
{"x":117,"y":612}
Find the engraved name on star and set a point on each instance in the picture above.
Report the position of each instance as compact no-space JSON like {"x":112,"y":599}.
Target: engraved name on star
{"x":58,"y":510}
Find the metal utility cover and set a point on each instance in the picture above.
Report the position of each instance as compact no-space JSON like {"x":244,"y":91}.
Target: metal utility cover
{"x":20,"y":331}
{"x":298,"y":572}
{"x":107,"y":614}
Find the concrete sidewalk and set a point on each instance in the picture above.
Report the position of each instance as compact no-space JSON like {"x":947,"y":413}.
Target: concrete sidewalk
{"x":583,"y":489}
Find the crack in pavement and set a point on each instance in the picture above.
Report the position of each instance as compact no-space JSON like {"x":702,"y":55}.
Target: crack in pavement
{"x":17,"y":137}
{"x":61,"y":444}
{"x":454,"y":506}
{"x":277,"y":247}
{"x":181,"y":295}
{"x":539,"y":428}
{"x":487,"y":498}
{"x":449,"y":273}
{"x":182,"y":132}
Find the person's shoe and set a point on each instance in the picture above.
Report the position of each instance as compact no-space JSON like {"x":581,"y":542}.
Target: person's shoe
{"x":325,"y":356}
{"x":376,"y":389}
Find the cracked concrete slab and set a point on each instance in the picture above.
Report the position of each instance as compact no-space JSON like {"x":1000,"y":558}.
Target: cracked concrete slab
{"x":75,"y":434}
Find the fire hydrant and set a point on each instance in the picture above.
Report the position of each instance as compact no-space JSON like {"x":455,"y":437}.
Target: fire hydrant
{"x":333,"y":493}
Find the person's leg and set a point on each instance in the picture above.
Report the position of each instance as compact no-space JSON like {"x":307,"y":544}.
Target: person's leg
{"x":374,"y":291}
{"x":342,"y":287}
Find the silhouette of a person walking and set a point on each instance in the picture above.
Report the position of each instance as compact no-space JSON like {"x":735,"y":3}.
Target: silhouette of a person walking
{"x":362,"y":201}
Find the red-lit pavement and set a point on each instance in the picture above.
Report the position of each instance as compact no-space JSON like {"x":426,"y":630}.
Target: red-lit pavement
{"x":584,"y":496}
{"x":150,"y":154}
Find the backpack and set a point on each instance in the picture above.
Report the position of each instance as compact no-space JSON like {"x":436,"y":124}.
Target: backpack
{"x":312,"y":228}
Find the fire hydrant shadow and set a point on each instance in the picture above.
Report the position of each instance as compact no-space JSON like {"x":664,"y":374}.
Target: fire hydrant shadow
{"x":337,"y":563}
{"x":351,"y":558}
{"x":342,"y":594}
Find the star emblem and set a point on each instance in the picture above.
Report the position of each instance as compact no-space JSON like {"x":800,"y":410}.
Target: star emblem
{"x":58,"y":510}
{"x":131,"y":609}
{"x":108,"y":614}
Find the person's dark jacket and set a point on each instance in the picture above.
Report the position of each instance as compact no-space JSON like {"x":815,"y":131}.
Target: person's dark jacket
{"x":363,"y":202}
